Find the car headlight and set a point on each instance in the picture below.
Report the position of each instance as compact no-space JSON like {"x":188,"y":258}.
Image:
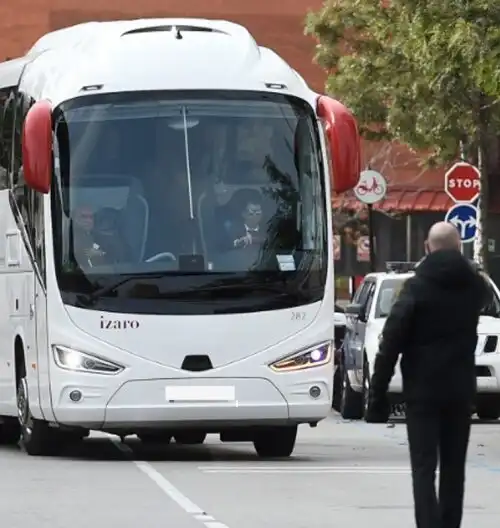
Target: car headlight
{"x":312,"y":357}
{"x":75,"y":360}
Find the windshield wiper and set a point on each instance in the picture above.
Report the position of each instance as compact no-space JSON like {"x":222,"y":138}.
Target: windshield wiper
{"x":236,"y":289}
{"x":91,"y":298}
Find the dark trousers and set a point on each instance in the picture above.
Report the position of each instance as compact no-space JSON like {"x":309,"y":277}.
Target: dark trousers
{"x":438,"y":432}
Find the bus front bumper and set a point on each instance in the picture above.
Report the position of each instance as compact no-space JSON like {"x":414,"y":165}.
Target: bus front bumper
{"x":195,"y":402}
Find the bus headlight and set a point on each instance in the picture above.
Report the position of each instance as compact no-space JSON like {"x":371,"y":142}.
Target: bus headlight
{"x":75,"y":360}
{"x":312,"y":357}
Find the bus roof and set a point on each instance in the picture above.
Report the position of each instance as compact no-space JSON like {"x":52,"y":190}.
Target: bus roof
{"x":155,"y":54}
{"x":10,"y":71}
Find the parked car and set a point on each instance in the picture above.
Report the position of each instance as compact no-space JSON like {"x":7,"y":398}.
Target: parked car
{"x":365,"y":319}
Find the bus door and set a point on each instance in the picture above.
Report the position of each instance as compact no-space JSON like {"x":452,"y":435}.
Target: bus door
{"x":40,"y":306}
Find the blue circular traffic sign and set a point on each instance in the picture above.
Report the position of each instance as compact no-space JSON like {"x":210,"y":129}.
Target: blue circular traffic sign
{"x":464,"y":217}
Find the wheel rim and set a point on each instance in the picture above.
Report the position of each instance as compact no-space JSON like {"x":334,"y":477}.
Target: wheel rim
{"x":343,"y":384}
{"x":366,"y":389}
{"x":23,"y":409}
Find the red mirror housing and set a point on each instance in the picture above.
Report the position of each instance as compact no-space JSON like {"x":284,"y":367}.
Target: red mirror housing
{"x":37,"y":147}
{"x":344,"y":143}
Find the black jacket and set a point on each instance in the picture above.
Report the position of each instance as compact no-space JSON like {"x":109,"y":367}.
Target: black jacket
{"x":433,"y":324}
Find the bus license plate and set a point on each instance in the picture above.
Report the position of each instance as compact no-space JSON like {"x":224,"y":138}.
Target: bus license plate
{"x":200,"y":393}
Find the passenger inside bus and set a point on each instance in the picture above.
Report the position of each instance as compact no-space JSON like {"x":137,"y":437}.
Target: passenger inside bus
{"x":84,"y":247}
{"x":246,"y":230}
{"x":109,"y":236}
{"x":239,"y":177}
{"x":98,"y":238}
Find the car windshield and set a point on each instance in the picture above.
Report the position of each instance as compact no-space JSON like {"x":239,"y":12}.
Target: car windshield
{"x":183,"y":191}
{"x":388,"y":293}
{"x":390,"y":288}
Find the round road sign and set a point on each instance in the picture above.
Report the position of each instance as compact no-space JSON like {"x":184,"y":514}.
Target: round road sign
{"x":371,"y":187}
{"x":462,"y":183}
{"x":464,"y":217}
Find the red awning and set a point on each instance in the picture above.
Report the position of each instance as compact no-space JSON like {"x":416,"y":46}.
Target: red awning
{"x":400,"y":201}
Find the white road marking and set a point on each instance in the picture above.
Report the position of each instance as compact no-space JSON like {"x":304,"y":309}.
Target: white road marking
{"x":367,"y":470}
{"x":203,"y":517}
{"x":169,"y":489}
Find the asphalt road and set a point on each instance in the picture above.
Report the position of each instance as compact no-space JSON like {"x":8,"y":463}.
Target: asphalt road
{"x":343,"y":473}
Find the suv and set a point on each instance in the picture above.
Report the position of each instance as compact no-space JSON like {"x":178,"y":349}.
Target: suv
{"x":366,"y":317}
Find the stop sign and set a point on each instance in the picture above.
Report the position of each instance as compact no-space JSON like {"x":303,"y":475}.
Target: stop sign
{"x":462,"y":182}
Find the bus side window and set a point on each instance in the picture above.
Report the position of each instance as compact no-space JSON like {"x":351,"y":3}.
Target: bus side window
{"x":6,"y":126}
{"x":19,"y":189}
{"x":29,"y":203}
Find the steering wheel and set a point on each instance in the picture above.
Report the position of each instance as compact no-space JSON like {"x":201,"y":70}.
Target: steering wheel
{"x":166,"y":255}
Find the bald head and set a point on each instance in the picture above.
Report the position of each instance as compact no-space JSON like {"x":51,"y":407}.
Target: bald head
{"x":443,"y":235}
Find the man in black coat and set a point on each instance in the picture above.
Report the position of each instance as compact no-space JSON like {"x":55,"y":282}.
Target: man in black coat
{"x":433,"y":324}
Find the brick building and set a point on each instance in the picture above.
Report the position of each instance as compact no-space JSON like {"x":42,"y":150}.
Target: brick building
{"x":278,"y":25}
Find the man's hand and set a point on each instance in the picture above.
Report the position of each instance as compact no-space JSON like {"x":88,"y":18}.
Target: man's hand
{"x":378,"y":410}
{"x":94,"y":251}
{"x":244,"y":241}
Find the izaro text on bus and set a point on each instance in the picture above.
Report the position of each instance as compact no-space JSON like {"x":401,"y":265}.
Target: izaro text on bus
{"x":166,"y":246}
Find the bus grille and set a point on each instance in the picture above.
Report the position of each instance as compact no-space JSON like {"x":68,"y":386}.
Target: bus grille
{"x":197,"y":363}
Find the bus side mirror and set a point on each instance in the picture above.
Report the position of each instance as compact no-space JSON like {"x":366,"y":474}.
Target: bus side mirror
{"x":343,"y":143}
{"x":37,"y":147}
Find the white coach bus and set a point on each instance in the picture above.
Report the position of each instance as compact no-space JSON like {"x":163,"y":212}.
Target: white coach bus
{"x":166,"y":259}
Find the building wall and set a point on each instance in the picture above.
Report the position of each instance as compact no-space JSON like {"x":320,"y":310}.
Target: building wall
{"x":278,"y":25}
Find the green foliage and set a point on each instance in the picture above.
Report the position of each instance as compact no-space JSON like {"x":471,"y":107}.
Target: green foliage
{"x":424,"y":72}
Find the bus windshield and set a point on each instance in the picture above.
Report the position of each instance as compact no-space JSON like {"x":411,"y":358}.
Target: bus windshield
{"x":188,"y":202}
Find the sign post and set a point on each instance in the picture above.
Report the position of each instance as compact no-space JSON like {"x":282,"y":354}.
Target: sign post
{"x":371,"y":188}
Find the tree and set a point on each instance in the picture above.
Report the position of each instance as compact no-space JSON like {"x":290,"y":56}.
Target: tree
{"x":423,"y":72}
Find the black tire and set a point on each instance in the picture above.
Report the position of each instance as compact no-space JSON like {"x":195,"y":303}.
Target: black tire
{"x":190,"y":437}
{"x":488,"y":411}
{"x":352,"y":405}
{"x":10,"y":431}
{"x":337,"y":389}
{"x":155,"y":437}
{"x":366,"y":386}
{"x":37,"y":438}
{"x":276,"y":442}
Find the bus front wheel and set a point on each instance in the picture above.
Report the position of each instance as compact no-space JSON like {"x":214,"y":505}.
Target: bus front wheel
{"x":276,"y":442}
{"x":37,"y":438}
